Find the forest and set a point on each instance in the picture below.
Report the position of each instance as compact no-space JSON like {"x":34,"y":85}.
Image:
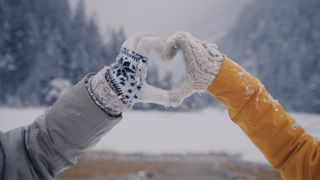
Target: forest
{"x":46,"y":47}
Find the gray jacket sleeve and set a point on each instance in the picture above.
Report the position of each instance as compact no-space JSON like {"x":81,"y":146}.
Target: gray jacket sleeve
{"x":56,"y":139}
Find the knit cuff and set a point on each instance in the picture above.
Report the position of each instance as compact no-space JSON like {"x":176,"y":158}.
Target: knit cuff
{"x":206,"y":74}
{"x":103,"y":95}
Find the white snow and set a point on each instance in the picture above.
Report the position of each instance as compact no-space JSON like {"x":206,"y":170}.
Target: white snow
{"x":155,"y":132}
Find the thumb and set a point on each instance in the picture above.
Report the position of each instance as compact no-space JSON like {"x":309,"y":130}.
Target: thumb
{"x":150,"y":94}
{"x":181,"y":92}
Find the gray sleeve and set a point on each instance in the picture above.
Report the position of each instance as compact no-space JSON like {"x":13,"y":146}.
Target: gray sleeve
{"x":56,"y":139}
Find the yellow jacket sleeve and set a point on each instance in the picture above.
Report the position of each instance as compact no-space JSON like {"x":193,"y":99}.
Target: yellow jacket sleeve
{"x":295,"y":154}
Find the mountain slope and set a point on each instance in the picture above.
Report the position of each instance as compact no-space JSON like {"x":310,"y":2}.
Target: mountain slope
{"x":279,"y":42}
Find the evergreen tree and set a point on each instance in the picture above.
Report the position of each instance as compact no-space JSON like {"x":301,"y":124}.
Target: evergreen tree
{"x":41,"y":42}
{"x":15,"y":45}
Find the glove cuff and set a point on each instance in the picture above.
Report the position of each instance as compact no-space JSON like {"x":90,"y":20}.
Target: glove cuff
{"x":103,"y":95}
{"x":206,"y":73}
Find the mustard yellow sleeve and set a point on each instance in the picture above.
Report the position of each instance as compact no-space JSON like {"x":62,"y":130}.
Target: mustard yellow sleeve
{"x":295,"y":154}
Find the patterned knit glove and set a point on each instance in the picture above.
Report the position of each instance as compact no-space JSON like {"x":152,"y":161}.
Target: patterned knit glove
{"x":202,"y":60}
{"x":126,"y":77}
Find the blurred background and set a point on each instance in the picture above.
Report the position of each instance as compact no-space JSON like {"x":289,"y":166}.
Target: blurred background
{"x":46,"y":46}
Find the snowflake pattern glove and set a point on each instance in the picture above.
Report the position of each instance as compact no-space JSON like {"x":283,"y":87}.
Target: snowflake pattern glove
{"x":122,"y":84}
{"x":126,"y":75}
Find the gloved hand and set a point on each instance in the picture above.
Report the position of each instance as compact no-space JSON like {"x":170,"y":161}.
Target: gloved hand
{"x":122,"y":84}
{"x":202,"y":60}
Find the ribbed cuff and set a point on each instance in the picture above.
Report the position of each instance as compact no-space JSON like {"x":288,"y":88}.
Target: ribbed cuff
{"x":103,"y":95}
{"x":203,"y":77}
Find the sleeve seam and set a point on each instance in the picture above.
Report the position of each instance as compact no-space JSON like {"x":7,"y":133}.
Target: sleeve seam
{"x":246,"y":103}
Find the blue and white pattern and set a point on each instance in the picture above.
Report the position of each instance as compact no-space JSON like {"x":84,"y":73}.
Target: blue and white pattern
{"x":126,"y":75}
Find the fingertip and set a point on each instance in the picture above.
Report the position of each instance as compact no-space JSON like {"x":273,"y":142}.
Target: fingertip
{"x":132,"y":41}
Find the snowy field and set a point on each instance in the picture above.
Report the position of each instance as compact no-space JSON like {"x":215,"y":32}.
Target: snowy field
{"x":154,"y":132}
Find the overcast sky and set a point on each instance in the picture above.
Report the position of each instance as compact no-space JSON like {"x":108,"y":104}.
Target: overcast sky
{"x":203,"y":18}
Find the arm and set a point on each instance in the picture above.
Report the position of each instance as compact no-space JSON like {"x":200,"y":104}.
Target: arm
{"x":82,"y":117}
{"x":56,"y":139}
{"x":286,"y":146}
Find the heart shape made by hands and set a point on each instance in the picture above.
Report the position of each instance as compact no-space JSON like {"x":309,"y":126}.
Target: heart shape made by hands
{"x":198,"y":58}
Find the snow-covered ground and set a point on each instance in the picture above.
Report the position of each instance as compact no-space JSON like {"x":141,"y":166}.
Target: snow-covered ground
{"x":154,"y":132}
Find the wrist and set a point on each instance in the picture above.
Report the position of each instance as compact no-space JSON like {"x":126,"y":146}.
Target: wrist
{"x":103,"y":94}
{"x":207,"y":72}
{"x":233,"y":86}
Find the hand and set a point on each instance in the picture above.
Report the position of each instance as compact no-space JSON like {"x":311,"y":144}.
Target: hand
{"x":126,"y":77}
{"x":202,"y":61}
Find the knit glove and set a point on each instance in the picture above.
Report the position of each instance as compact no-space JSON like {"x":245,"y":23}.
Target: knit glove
{"x":202,"y":61}
{"x":122,"y":84}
